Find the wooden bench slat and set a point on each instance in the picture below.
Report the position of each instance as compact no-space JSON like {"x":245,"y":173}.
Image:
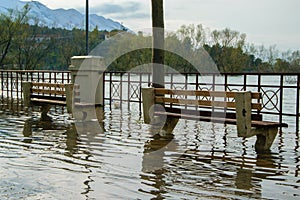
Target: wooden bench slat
{"x":227,"y":113}
{"x":40,"y":84}
{"x":204,"y":93}
{"x":223,"y":104}
{"x":48,"y":101}
{"x":221,"y":120}
{"x":47,"y":91}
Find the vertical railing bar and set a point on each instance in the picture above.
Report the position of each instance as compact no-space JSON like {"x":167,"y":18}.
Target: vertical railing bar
{"x":111,"y":90}
{"x":149,"y":80}
{"x":226,"y":82}
{"x":140,"y":93}
{"x":68,"y":76}
{"x":227,"y":86}
{"x":259,"y":90}
{"x":7,"y":81}
{"x":63,"y":77}
{"x":103,"y":88}
{"x":186,"y":81}
{"x":11,"y":85}
{"x":43,"y":77}
{"x":171,"y":81}
{"x":128,"y":90}
{"x":121,"y":89}
{"x":197,"y":82}
{"x":245,"y":82}
{"x":186,"y":84}
{"x":2,"y":85}
{"x":50,"y":77}
{"x":27,"y":76}
{"x":17,"y":89}
{"x":281,"y":98}
{"x":213,"y":88}
{"x":298,"y":105}
{"x":55,"y":78}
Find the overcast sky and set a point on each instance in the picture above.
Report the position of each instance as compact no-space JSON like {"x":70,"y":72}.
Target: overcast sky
{"x":268,"y":22}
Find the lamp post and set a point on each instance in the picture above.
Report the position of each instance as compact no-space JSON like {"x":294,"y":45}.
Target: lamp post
{"x":158,"y":43}
{"x":87,"y":27}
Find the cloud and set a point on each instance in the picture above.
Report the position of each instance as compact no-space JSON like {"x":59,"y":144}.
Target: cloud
{"x":122,"y":10}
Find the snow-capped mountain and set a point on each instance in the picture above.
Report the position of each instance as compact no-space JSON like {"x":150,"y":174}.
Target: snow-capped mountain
{"x":60,"y":18}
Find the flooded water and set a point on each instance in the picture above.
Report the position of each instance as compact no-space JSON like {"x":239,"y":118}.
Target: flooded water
{"x":121,"y":158}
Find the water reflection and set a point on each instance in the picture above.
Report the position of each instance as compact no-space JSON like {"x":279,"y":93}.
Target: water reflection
{"x":33,"y":124}
{"x":235,"y":176}
{"x":154,"y":162}
{"x":116,"y":156}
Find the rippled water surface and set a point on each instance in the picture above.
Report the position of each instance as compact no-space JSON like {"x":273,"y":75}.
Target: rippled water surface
{"x":121,"y":158}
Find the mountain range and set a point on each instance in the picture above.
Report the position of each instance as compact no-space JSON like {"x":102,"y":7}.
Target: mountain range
{"x":60,"y":18}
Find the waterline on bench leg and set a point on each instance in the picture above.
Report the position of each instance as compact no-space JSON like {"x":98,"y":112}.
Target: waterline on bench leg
{"x":169,"y":125}
{"x":44,"y":113}
{"x":163,"y":125}
{"x":265,"y":139}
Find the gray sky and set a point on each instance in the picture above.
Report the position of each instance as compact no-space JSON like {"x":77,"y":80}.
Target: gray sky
{"x":267,"y":22}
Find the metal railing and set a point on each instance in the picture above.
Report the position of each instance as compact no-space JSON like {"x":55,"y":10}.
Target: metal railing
{"x":11,"y":80}
{"x":281,"y":92}
{"x":11,"y":84}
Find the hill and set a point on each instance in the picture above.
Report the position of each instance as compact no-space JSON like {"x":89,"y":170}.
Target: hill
{"x":60,"y":18}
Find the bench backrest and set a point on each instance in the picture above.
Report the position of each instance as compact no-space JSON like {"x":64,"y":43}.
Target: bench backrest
{"x":241,"y":104}
{"x":202,"y":98}
{"x":48,"y":89}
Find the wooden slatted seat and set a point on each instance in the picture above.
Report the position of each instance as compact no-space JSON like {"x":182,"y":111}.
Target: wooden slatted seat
{"x":236,"y":108}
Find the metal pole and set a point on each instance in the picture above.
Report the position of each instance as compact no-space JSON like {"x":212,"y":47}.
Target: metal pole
{"x":87,"y":27}
{"x":158,"y":43}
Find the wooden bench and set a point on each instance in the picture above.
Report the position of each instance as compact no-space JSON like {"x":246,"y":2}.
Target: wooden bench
{"x":47,"y":95}
{"x":237,"y":108}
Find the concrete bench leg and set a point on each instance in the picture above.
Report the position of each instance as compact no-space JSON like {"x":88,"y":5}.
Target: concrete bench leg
{"x":170,"y":124}
{"x":164,"y":123}
{"x":45,"y":109}
{"x":265,"y":138}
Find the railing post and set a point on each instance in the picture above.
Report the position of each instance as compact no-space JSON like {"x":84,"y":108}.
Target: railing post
{"x":281,"y":98}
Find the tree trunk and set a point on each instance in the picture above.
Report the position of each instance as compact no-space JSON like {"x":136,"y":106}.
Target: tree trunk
{"x":158,"y":43}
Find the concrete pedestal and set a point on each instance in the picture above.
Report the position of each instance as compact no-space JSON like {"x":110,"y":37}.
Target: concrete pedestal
{"x":87,"y":72}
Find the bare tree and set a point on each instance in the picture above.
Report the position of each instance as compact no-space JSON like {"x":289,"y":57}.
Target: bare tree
{"x":9,"y":28}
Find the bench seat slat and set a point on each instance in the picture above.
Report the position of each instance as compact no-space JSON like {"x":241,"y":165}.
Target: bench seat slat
{"x":221,"y":120}
{"x":52,"y":85}
{"x":48,"y":101}
{"x":227,"y":113}
{"x":48,"y":91}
